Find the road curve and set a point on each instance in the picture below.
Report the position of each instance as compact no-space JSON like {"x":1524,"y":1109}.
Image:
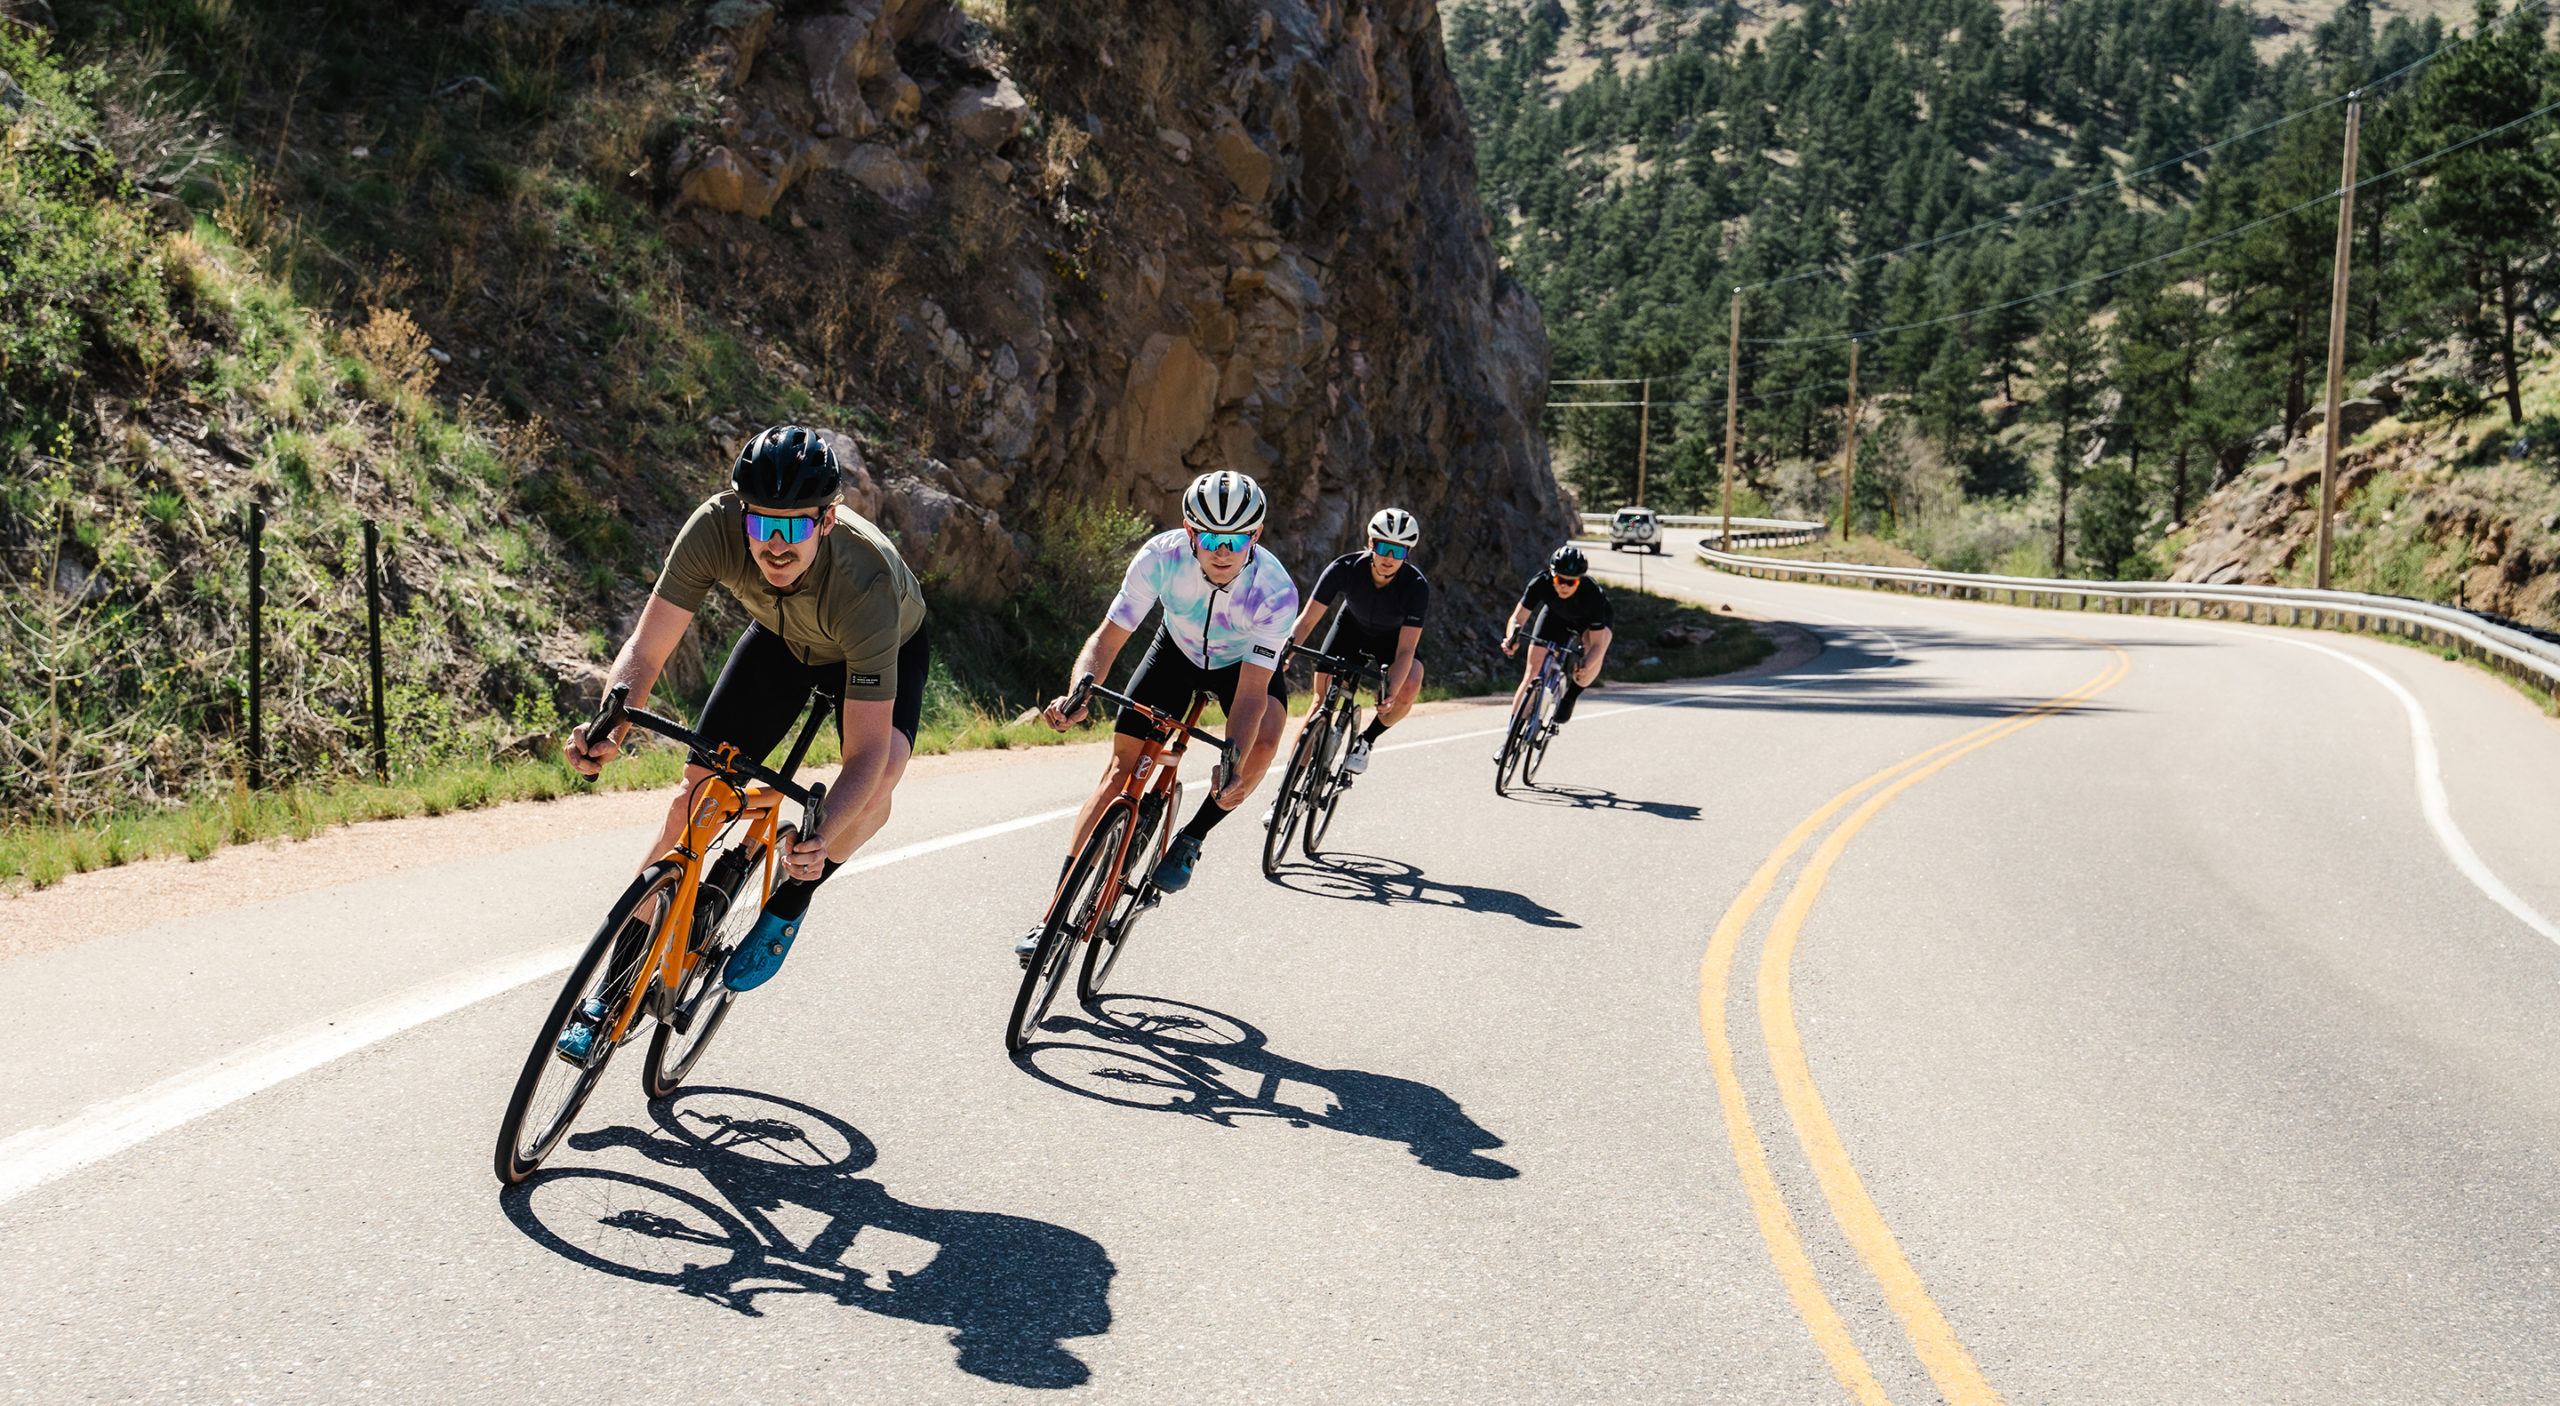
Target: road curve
{"x":2003,"y":1005}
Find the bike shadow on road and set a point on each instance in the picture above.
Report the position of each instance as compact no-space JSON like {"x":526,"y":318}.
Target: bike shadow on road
{"x":1368,"y":878}
{"x":1173,"y":1057}
{"x":789,"y":1215}
{"x":1548,"y":793}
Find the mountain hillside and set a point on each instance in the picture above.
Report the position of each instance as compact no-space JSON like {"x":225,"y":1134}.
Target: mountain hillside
{"x":2083,"y":248}
{"x":514,"y":279}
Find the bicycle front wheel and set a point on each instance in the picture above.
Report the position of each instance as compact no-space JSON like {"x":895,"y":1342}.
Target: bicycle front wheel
{"x":1073,"y":915}
{"x":1155,"y":834}
{"x":552,"y":1087}
{"x":1325,"y":784}
{"x":1515,"y":741}
{"x":701,"y":1002}
{"x":1290,"y":806}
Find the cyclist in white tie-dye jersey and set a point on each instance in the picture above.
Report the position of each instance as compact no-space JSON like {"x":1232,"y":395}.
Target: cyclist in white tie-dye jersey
{"x":1228,"y":605}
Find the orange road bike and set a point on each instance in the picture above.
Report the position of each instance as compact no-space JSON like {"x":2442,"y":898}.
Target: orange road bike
{"x":656,"y":960}
{"x":1098,"y":903}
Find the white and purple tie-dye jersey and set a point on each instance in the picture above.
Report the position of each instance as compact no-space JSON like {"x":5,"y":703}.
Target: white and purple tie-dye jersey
{"x":1248,"y":619}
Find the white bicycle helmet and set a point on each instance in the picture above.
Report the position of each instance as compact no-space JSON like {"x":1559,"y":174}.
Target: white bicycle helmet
{"x":1395,"y":525}
{"x":1225,"y":501}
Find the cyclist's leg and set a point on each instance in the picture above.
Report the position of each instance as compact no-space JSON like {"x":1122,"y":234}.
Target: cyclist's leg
{"x":759,"y":695}
{"x":915,"y":665}
{"x":1164,"y":681}
{"x":1537,"y":658}
{"x":1175,"y":870}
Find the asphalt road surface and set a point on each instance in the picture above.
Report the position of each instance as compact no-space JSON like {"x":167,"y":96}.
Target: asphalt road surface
{"x":2136,"y":1029}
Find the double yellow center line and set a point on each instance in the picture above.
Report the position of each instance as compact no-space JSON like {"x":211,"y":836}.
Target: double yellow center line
{"x":1958,"y":1379}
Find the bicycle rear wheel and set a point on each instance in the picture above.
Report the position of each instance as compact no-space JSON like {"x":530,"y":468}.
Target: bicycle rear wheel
{"x":723,"y":914}
{"x":1154,"y":835}
{"x":550,"y":1090}
{"x":1073,"y":915}
{"x":1290,"y":806}
{"x":1326,"y":783}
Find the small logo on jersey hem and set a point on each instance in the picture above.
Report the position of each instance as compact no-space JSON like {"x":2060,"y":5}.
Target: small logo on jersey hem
{"x":863,"y":680}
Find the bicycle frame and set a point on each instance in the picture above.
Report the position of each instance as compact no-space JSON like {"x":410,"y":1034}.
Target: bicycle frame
{"x":1158,"y":770}
{"x":715,"y":803}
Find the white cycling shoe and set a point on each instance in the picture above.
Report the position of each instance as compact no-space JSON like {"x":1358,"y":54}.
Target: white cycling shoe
{"x":1357,"y":760}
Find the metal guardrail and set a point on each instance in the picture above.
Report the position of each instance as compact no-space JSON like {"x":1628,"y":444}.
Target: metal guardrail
{"x":1748,"y":531}
{"x":2501,"y":646}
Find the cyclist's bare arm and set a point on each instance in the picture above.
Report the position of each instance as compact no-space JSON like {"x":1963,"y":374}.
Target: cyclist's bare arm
{"x":1595,"y":648}
{"x":1101,"y":648}
{"x":1309,"y":616}
{"x":858,"y":802}
{"x":661,"y":628}
{"x":1254,"y":725}
{"x":1511,"y":628}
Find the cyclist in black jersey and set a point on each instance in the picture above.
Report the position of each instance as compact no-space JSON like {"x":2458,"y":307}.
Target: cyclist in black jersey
{"x":1574,"y":606}
{"x":1382,"y":597}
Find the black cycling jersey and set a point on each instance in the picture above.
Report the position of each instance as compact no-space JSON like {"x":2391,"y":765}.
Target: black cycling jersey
{"x":1587,"y":609}
{"x":1347,"y":588}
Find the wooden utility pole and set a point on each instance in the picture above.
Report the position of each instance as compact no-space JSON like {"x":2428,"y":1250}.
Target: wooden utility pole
{"x":1644,"y":432}
{"x":1732,"y":404}
{"x":1849,"y":452}
{"x":2330,"y":430}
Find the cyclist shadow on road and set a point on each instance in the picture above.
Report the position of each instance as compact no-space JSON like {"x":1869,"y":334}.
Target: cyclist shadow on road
{"x":789,"y":1216}
{"x":1369,"y":878}
{"x":1174,"y":1057}
{"x":1597,"y":798}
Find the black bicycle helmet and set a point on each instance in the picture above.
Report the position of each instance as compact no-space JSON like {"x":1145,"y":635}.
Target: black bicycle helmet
{"x":786,"y":467}
{"x":1567,"y":561}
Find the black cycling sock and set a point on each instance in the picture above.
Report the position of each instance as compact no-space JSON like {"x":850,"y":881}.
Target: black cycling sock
{"x":1371,"y":733}
{"x":1564,"y":710}
{"x":1204,"y":819}
{"x":790,"y":900}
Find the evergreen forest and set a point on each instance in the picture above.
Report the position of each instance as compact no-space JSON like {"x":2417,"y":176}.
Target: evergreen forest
{"x":2084,"y":254}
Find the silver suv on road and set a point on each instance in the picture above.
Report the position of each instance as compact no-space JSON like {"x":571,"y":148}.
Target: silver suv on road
{"x":1635,"y":529}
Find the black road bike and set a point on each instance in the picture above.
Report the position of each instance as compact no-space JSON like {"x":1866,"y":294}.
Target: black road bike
{"x":1315,"y":781}
{"x":1533,"y":725}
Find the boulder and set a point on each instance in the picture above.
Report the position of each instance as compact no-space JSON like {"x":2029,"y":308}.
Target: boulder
{"x":741,"y":28}
{"x":880,"y":171}
{"x":1684,"y":637}
{"x":990,"y":116}
{"x":951,"y":544}
{"x":832,"y":49}
{"x":1246,"y":164}
{"x":1165,"y":408}
{"x":748,"y":184}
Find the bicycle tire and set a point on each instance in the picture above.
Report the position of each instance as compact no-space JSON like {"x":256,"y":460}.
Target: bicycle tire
{"x":1535,"y":755}
{"x":1325,"y":785}
{"x":1288,"y":807}
{"x":1146,"y":847}
{"x":1072,"y":916}
{"x":1524,"y":714}
{"x":612,"y":956}
{"x":673,"y":1053}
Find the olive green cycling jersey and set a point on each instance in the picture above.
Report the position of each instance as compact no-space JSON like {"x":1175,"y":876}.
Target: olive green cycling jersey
{"x":856,"y":604}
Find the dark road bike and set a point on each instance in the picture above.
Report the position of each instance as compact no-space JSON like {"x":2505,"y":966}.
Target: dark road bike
{"x":656,"y":960}
{"x":1315,"y":781}
{"x":1533,"y":725}
{"x":1112,"y":882}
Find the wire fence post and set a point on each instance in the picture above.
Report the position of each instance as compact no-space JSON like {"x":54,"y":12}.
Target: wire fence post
{"x":1644,"y":433}
{"x":373,"y":646}
{"x":257,"y":647}
{"x":1732,"y":404}
{"x":1849,"y":452}
{"x":2330,"y":430}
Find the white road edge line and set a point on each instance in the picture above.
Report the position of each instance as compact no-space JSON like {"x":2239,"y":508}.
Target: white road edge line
{"x":31,"y":1158}
{"x":2433,"y":802}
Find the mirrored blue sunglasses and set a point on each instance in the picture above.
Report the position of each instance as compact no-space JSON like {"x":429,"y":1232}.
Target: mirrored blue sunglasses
{"x":1225,"y":541}
{"x":764,"y":527}
{"x":1393,"y":551}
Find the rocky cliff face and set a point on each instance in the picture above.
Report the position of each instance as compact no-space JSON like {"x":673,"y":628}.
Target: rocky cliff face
{"x":1098,"y":248}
